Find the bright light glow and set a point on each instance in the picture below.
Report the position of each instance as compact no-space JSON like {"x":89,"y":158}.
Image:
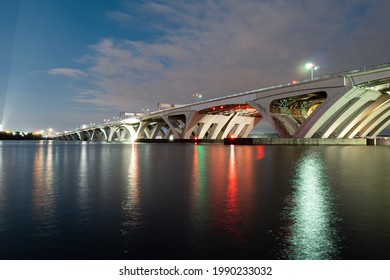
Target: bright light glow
{"x":309,"y":65}
{"x":312,"y":234}
{"x":171,"y":137}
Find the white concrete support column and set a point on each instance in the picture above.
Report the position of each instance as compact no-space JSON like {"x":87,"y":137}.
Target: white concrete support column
{"x":351,"y":130}
{"x":222,"y":122}
{"x":243,"y":126}
{"x":141,"y":133}
{"x":229,"y":127}
{"x":373,"y":128}
{"x":92,"y":134}
{"x":381,"y":126}
{"x":113,"y":133}
{"x":250,"y":124}
{"x":368,"y":116}
{"x":289,"y":124}
{"x":357,"y":98}
{"x":129,"y":129}
{"x":323,"y":114}
{"x":207,"y":121}
{"x":105,"y":137}
{"x":172,"y":128}
{"x":262,"y":109}
{"x":156,"y":130}
{"x":192,"y":120}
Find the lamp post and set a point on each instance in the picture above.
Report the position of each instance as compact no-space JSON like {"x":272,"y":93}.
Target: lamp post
{"x":311,"y":66}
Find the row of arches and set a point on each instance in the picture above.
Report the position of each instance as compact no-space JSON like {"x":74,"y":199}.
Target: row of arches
{"x":180,"y":125}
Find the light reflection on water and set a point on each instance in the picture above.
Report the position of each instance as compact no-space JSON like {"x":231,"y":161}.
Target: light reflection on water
{"x":43,"y":189}
{"x":199,"y":198}
{"x":312,"y":233}
{"x":131,"y":204}
{"x":78,"y":200}
{"x":232,"y":211}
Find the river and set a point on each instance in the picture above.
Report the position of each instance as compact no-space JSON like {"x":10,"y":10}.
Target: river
{"x":96,"y":200}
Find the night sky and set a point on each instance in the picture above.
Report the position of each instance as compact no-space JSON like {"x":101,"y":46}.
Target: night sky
{"x":68,"y":62}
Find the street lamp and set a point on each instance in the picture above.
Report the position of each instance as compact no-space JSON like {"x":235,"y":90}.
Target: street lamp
{"x":310,"y":66}
{"x":197,"y":96}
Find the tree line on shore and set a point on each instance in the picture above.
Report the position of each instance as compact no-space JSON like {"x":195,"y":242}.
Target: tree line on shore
{"x":17,"y":135}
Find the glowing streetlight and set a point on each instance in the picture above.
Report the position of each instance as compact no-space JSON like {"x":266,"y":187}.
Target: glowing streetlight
{"x":197,"y":95}
{"x":310,"y":66}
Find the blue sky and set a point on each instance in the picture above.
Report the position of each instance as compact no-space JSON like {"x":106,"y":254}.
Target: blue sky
{"x":68,"y":62}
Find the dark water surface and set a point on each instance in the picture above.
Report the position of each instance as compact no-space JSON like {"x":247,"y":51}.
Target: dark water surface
{"x":79,"y":200}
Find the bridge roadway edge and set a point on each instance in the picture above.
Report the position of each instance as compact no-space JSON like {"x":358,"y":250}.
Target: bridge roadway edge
{"x":381,"y":141}
{"x":299,"y":141}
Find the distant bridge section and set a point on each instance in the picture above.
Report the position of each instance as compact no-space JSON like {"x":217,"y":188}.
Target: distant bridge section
{"x":353,"y":104}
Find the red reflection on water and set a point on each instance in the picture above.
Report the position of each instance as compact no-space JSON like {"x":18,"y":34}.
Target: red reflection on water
{"x":232,"y":203}
{"x":232,"y":207}
{"x":260,"y":152}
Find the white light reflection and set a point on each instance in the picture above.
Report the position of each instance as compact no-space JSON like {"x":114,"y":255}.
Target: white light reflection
{"x":42,"y":187}
{"x":312,"y":233}
{"x":131,"y":204}
{"x":83,"y":177}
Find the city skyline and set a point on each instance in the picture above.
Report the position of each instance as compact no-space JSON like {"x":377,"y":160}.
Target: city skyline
{"x":64,"y":63}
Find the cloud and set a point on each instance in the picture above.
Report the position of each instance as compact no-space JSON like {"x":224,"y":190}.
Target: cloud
{"x":120,"y":16}
{"x":224,"y":47}
{"x":67,"y":72}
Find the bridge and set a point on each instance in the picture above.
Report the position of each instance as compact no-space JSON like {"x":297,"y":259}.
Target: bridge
{"x":353,"y":104}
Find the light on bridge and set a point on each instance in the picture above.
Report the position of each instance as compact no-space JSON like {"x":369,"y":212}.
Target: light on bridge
{"x":311,"y":66}
{"x":197,"y":95}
